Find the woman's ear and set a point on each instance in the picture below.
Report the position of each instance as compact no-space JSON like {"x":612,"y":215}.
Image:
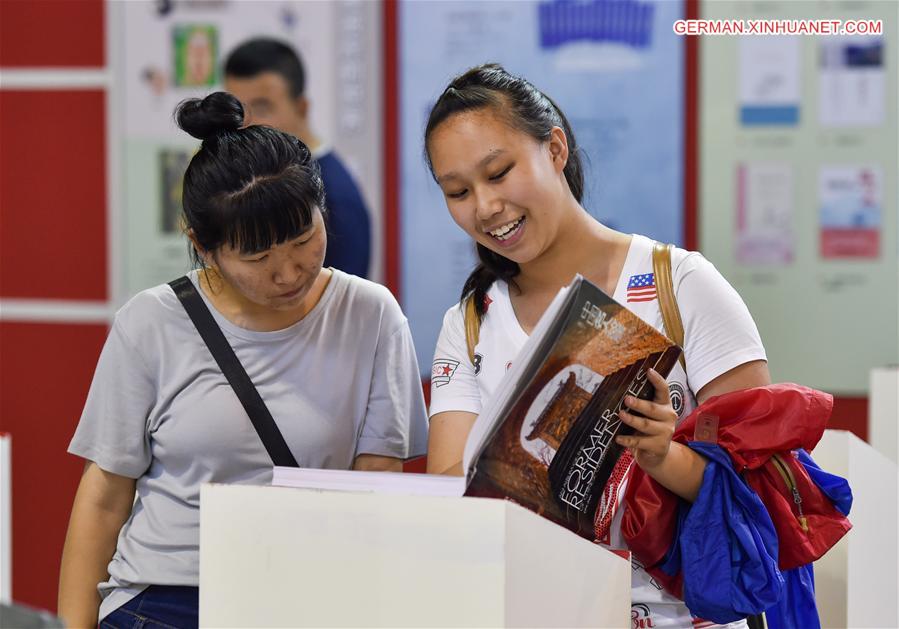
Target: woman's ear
{"x":204,"y":255}
{"x":558,"y":148}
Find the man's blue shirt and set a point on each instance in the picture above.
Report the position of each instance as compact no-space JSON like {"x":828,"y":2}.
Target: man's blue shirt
{"x":349,"y":225}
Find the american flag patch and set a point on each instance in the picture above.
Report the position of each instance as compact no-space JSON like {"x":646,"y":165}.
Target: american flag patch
{"x":442,"y":371}
{"x":641,"y":288}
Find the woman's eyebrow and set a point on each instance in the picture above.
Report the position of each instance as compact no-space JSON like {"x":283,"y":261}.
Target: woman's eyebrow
{"x":493,"y":154}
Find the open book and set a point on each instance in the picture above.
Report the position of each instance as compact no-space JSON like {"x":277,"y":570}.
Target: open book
{"x":547,"y":437}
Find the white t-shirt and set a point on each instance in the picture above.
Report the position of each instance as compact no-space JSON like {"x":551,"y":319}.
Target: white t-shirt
{"x":719,"y":334}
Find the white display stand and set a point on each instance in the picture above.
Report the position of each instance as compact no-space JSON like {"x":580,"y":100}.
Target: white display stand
{"x":883,"y":411}
{"x":856,"y":582}
{"x":279,"y":556}
{"x":5,"y":518}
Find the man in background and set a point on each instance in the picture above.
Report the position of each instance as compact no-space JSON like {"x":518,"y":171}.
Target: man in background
{"x":268,"y":77}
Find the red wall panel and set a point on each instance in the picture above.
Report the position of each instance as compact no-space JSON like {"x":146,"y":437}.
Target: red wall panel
{"x":53,"y":194}
{"x":850,"y":413}
{"x":52,"y":33}
{"x":45,"y":372}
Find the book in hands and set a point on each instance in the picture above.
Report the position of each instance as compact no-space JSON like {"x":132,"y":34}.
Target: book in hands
{"x":546,"y":439}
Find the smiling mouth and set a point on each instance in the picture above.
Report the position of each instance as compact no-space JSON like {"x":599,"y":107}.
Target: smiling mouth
{"x":507,"y":231}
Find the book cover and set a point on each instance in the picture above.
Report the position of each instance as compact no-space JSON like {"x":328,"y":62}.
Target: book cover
{"x":552,"y":445}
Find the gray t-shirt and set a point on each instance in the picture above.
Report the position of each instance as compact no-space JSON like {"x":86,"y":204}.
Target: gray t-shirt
{"x":341,"y":382}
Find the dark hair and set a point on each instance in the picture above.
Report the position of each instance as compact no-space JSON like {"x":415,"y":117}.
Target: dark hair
{"x":250,"y":187}
{"x":267,"y":55}
{"x":525,"y":108}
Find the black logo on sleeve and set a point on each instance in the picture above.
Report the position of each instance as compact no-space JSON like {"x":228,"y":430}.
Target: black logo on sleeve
{"x":677,"y":393}
{"x":477,"y":363}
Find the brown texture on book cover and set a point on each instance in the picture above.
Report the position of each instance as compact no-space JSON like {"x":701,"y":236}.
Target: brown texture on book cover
{"x":605,"y":354}
{"x":555,"y":420}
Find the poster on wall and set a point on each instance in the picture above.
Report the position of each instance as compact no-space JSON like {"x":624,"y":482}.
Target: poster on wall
{"x":195,"y":55}
{"x":596,"y":59}
{"x":173,"y":51}
{"x":769,"y":76}
{"x":852,"y":82}
{"x":765,"y":207}
{"x":172,"y":165}
{"x":850,"y":208}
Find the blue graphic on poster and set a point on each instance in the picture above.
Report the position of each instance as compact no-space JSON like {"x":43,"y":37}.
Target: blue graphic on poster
{"x":770,"y":80}
{"x":615,"y":67}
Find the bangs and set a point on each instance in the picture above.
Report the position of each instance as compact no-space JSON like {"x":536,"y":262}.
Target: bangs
{"x":269,"y":211}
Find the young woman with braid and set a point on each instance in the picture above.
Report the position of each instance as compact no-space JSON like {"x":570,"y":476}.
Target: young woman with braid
{"x":508,"y":164}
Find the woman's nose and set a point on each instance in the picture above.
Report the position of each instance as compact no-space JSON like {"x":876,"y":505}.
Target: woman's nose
{"x":489,"y":204}
{"x":288,"y":271}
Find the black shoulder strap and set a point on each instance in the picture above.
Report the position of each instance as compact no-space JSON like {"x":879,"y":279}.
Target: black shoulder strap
{"x":234,"y":372}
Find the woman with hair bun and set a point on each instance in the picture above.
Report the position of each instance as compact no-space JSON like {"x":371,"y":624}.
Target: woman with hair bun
{"x":507,"y":162}
{"x":330,"y":354}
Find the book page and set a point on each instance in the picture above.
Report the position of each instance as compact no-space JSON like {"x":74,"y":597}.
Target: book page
{"x":490,"y":416}
{"x":371,"y":482}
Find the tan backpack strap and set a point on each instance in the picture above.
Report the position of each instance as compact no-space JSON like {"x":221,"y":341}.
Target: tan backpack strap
{"x":472,"y":327}
{"x":661,"y":267}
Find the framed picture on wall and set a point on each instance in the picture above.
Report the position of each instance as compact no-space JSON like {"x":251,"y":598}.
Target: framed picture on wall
{"x":195,"y":55}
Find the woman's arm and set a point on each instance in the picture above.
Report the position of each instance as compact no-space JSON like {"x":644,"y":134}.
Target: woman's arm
{"x":377,"y":463}
{"x":102,"y":505}
{"x":447,"y":434}
{"x":746,"y":376}
{"x":674,"y":465}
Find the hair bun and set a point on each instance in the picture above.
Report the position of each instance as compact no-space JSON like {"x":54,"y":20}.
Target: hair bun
{"x":205,"y":118}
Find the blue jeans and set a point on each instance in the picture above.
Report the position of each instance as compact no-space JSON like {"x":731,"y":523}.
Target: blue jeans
{"x":158,"y":607}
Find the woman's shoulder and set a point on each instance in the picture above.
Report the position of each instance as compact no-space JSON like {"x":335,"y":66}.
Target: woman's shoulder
{"x":454,"y":317}
{"x":360,"y":290}
{"x":683,"y":261}
{"x":146,"y":322}
{"x":498,"y":292}
{"x":150,"y":307}
{"x":364,"y":298}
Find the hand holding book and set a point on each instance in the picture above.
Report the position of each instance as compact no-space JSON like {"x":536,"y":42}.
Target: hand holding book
{"x":673,"y":466}
{"x":653,"y":422}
